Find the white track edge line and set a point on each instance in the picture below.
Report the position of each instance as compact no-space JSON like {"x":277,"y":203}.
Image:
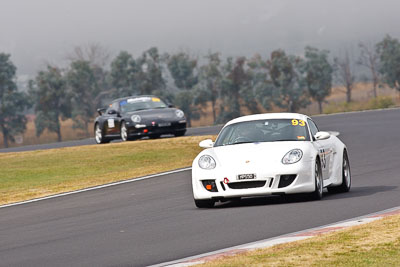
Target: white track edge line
{"x":95,"y":187}
{"x":185,"y":261}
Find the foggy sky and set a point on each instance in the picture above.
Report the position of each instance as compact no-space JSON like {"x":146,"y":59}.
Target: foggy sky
{"x":39,"y":31}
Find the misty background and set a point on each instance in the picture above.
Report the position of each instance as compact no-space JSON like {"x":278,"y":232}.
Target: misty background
{"x":42,"y":31}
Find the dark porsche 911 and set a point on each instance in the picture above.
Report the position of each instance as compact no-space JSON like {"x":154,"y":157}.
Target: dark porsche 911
{"x":134,"y":117}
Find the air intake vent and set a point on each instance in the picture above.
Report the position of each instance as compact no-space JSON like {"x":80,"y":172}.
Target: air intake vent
{"x":246,"y":185}
{"x":286,"y":180}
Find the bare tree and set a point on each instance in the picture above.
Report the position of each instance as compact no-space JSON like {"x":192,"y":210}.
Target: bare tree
{"x":369,"y":59}
{"x":344,"y":74}
{"x":94,"y":53}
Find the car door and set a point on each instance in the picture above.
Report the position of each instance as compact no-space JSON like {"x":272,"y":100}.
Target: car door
{"x":112,"y":118}
{"x":325,"y":150}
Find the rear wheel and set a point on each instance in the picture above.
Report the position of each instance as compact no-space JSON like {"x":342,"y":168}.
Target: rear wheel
{"x":319,"y":183}
{"x":99,"y":136}
{"x":346,"y":177}
{"x":204,"y":203}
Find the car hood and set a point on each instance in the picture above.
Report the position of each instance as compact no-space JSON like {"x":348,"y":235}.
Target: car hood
{"x":151,"y":114}
{"x":256,"y":154}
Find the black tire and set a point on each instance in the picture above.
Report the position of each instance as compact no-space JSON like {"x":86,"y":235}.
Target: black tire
{"x":319,"y":182}
{"x":180,"y":133}
{"x":124,"y":132}
{"x":99,"y":135}
{"x":204,"y":203}
{"x":346,"y":177}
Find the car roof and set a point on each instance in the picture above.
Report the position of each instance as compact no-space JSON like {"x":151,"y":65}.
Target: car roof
{"x":129,"y":97}
{"x":266,"y":116}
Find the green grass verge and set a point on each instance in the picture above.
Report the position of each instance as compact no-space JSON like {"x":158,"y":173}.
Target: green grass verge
{"x":372,"y":244}
{"x":380,"y":102}
{"x":32,"y":174}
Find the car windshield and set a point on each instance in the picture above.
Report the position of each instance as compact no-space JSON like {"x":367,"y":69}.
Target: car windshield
{"x":263,"y":131}
{"x":140,"y":103}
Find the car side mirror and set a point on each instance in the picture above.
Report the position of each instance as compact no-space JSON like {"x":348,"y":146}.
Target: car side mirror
{"x":322,"y":135}
{"x":101,"y":111}
{"x":171,"y":106}
{"x":112,"y":112}
{"x":208,"y":143}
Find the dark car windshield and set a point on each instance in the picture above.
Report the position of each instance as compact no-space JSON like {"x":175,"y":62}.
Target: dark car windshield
{"x":140,"y":103}
{"x":263,"y":131}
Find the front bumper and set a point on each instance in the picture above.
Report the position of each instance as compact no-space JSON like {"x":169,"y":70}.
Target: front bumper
{"x":156,"y":128}
{"x":268,"y":182}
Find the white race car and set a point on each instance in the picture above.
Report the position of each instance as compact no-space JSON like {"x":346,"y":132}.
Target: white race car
{"x":269,"y":154}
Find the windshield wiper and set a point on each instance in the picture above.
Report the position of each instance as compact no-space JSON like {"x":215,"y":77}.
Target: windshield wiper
{"x":283,"y":140}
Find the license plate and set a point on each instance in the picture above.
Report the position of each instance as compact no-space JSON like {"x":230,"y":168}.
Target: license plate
{"x":246,"y":176}
{"x":164,"y":124}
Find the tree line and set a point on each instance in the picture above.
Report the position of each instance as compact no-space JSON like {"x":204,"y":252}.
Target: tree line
{"x":229,"y":84}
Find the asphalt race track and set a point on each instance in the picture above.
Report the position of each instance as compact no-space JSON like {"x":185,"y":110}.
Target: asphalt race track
{"x":155,"y":220}
{"x":90,"y":141}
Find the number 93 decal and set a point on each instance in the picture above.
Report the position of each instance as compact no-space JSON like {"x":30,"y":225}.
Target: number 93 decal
{"x":298,"y":123}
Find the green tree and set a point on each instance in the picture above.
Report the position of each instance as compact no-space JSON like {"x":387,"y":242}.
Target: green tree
{"x":186,"y":101}
{"x":182,"y":68}
{"x":83,"y":87}
{"x":143,"y":75}
{"x":389,"y":53}
{"x":209,"y":86}
{"x":150,"y":73}
{"x":318,"y":73}
{"x":51,"y":100}
{"x":233,"y":83}
{"x":259,"y":80}
{"x":285,"y":72}
{"x":12,"y":103}
{"x":122,"y":75}
{"x":98,"y":57}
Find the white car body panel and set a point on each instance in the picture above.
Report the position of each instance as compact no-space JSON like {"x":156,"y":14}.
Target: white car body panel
{"x":264,"y":159}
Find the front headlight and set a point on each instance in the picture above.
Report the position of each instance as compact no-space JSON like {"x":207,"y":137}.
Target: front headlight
{"x":207,"y":162}
{"x":136,"y":118}
{"x":179,"y":113}
{"x":292,"y":156}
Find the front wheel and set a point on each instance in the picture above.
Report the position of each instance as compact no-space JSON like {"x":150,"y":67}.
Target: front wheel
{"x":346,"y":177}
{"x":319,"y":183}
{"x":124,"y":132}
{"x":204,"y":203}
{"x":99,"y":136}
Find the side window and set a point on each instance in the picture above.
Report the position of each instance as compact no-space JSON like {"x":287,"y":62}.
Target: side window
{"x":113,"y":106}
{"x":313,"y":127}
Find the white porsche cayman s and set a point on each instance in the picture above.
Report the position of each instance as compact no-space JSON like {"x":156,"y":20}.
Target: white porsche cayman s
{"x":269,"y":154}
